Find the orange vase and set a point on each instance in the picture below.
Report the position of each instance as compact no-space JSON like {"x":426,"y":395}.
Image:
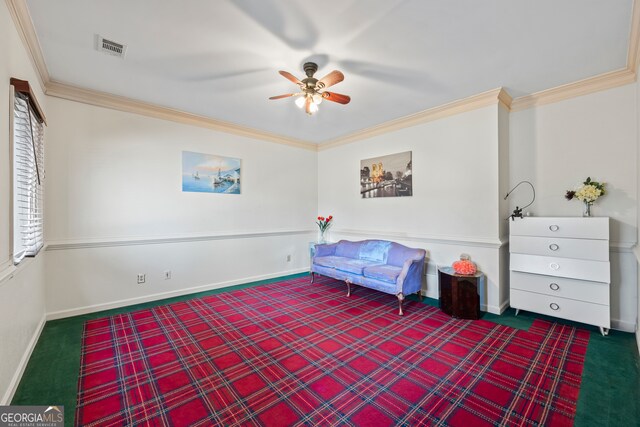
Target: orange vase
{"x":464,"y":266}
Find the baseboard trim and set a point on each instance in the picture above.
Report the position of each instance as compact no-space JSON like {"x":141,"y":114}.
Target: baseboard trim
{"x":483,"y":307}
{"x":503,"y":307}
{"x":15,"y":381}
{"x":623,"y":325}
{"x":430,"y":293}
{"x":164,"y":295}
{"x":493,"y":309}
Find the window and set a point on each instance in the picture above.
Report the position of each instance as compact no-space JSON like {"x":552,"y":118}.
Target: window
{"x":28,"y":171}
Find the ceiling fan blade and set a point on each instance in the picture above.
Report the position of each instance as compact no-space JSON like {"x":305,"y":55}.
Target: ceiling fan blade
{"x":336,"y":97}
{"x":290,"y":76}
{"x":330,"y":79}
{"x":284,"y":96}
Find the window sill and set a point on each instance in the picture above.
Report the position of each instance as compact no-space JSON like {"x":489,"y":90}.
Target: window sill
{"x":8,"y":270}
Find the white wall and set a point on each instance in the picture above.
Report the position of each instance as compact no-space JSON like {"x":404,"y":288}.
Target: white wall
{"x":455,"y":175}
{"x":455,"y":207}
{"x":557,"y":146}
{"x":22,"y":304}
{"x":460,"y":166}
{"x":115,"y":208}
{"x":636,"y":250}
{"x":22,"y":317}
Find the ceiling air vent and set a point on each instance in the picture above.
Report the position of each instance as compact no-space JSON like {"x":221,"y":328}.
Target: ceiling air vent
{"x":110,"y":47}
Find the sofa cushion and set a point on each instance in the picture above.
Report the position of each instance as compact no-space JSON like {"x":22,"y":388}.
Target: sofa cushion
{"x":387,"y":273}
{"x":354,"y":266}
{"x":398,"y":254}
{"x":375,"y":250}
{"x":327,"y":261}
{"x":348,"y":249}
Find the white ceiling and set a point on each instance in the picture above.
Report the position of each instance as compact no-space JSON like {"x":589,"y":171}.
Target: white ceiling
{"x":220,"y":58}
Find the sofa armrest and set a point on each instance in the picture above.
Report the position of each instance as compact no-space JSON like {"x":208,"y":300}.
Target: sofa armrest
{"x":410,"y":279}
{"x":325,"y":249}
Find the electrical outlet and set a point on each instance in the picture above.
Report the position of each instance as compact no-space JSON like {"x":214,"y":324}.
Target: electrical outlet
{"x":167,"y":274}
{"x":288,"y":258}
{"x":142,"y":278}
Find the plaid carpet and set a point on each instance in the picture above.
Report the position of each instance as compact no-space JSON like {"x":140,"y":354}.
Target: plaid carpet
{"x":292,"y":353}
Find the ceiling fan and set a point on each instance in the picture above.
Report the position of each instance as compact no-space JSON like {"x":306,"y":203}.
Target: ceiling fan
{"x":312,"y":90}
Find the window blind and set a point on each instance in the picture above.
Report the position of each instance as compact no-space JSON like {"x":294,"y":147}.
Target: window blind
{"x":28,"y":177}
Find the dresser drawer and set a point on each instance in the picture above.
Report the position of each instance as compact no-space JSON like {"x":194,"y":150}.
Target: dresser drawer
{"x":581,"y":228}
{"x":596,"y":250}
{"x":595,"y":271}
{"x":578,"y":311}
{"x":581,"y":290}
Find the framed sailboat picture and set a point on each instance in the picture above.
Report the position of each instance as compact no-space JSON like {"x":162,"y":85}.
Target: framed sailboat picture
{"x":209,"y":173}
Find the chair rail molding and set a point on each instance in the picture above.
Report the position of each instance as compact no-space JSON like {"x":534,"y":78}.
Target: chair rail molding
{"x":57,"y":245}
{"x":485,"y":242}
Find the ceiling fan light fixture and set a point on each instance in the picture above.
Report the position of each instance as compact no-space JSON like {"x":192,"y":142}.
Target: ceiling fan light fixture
{"x":313,"y":89}
{"x":300,"y":102}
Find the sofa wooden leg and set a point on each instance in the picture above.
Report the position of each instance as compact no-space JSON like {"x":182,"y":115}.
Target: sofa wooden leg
{"x":420,"y":296}
{"x":348,"y":287}
{"x":313,"y":276}
{"x":400,"y":301}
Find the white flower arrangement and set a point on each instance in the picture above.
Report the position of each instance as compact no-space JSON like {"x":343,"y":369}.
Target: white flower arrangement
{"x":589,"y":192}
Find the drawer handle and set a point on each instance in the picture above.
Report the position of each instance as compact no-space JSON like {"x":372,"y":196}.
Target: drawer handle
{"x":554,"y":266}
{"x":554,"y":286}
{"x":554,"y":247}
{"x":554,"y":228}
{"x":554,"y":306}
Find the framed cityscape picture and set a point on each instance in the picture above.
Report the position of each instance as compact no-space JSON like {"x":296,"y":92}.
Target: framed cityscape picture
{"x":386,"y":176}
{"x":208,"y":173}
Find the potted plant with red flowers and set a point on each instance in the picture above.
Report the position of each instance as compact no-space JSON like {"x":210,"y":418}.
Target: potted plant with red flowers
{"x":323,"y":224}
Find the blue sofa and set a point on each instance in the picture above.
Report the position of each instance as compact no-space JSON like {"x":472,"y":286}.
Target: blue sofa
{"x":377,"y":264}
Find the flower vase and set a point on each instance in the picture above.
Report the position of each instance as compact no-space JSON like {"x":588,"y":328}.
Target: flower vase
{"x":321,"y":236}
{"x":587,"y":209}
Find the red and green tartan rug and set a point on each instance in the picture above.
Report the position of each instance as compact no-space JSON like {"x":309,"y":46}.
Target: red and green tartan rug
{"x":293,"y":353}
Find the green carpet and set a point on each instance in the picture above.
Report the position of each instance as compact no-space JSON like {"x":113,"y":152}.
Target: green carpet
{"x":609,"y":396}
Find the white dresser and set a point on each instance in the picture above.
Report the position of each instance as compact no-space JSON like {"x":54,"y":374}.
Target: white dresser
{"x":560,"y":267}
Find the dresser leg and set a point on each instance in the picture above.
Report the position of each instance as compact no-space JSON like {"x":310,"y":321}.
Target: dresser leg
{"x":604,"y":331}
{"x":517,"y":311}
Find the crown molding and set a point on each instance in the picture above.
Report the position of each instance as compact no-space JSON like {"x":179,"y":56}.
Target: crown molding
{"x":474,"y":102}
{"x":121,"y":103}
{"x":504,"y":99}
{"x":633,"y":54}
{"x":586,"y":86}
{"x":24,"y":25}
